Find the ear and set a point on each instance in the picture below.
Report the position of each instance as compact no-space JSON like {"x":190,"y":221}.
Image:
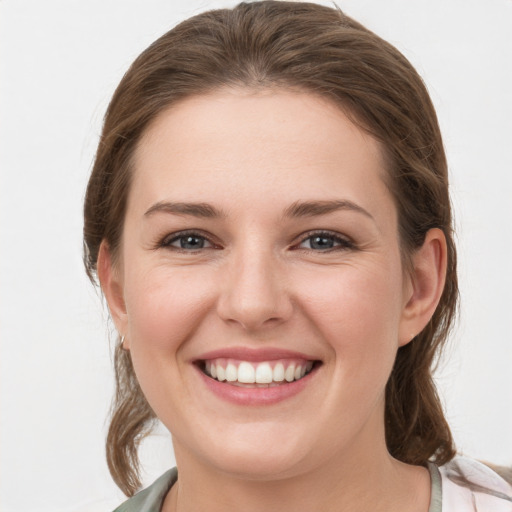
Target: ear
{"x":424,"y":285}
{"x":112,"y":287}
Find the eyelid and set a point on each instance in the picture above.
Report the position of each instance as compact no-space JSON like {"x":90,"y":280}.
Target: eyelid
{"x":166,"y":241}
{"x":344,"y":241}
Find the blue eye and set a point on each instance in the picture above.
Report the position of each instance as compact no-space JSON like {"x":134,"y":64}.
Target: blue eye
{"x":324,"y":242}
{"x":187,"y":242}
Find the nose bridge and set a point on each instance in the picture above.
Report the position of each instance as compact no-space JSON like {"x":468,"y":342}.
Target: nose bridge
{"x":254,"y":292}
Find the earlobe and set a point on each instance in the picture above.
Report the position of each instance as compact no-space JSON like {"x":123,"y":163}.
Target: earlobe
{"x":112,"y":287}
{"x":427,"y":279}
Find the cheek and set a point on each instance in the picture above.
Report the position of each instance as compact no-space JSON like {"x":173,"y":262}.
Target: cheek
{"x":357,"y":311}
{"x":164,"y":307}
{"x":164,"y":310}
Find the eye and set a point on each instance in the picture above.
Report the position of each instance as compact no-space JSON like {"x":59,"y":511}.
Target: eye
{"x":187,"y":242}
{"x":324,"y":242}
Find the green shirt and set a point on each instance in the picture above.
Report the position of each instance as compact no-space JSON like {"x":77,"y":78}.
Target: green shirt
{"x":152,"y":498}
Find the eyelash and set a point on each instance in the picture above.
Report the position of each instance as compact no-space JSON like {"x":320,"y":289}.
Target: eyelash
{"x":342,"y":243}
{"x":175,"y":237}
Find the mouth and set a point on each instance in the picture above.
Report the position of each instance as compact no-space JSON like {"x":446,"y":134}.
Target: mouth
{"x":256,"y":377}
{"x":257,"y":374}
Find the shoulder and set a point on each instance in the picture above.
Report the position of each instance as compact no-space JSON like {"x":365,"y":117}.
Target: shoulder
{"x":470,"y":484}
{"x":151,"y":498}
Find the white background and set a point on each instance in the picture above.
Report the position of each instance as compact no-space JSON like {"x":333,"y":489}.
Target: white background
{"x":59,"y":63}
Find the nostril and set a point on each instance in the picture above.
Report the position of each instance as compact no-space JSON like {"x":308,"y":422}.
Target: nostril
{"x":253,"y":296}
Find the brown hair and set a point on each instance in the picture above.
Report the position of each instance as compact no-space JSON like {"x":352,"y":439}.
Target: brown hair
{"x":312,"y":48}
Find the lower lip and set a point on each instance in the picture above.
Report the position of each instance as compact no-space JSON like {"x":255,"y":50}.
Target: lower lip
{"x":256,"y":396}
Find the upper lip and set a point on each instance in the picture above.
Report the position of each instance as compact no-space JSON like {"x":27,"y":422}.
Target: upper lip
{"x":254,"y":355}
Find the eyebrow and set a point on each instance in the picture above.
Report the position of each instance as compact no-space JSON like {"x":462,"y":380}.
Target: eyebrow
{"x":203,"y":210}
{"x":316,"y":208}
{"x":295,"y":210}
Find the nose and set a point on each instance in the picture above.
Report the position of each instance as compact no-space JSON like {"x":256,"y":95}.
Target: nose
{"x":254,"y":293}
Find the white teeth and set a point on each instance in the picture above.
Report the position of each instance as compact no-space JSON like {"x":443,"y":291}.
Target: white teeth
{"x":278,"y":373}
{"x":246,"y":373}
{"x":221,"y":373}
{"x":263,"y":373}
{"x":231,"y":372}
{"x":289,"y":374}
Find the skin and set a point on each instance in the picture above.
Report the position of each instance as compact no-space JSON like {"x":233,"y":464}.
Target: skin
{"x":258,"y":282}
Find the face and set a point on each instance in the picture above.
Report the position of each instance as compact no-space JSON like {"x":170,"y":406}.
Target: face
{"x":260,"y":286}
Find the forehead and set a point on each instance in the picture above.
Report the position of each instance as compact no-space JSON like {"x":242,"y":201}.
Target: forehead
{"x":240,"y":145}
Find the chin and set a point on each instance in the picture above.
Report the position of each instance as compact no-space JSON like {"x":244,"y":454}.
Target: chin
{"x":253,"y":464}
{"x":260,"y":453}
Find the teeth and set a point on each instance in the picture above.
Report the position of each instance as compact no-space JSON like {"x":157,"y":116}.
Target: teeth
{"x":231,"y":373}
{"x":278,"y":373}
{"x":289,"y":374}
{"x":244,"y":372}
{"x":221,"y":373}
{"x":264,"y":373}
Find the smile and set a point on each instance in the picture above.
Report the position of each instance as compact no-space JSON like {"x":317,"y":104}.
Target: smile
{"x":257,"y":374}
{"x":256,"y":377}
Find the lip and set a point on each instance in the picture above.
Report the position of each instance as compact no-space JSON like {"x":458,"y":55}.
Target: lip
{"x":255,"y":396}
{"x":254,"y":355}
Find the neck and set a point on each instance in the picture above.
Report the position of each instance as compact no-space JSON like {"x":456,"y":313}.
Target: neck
{"x":356,"y":481}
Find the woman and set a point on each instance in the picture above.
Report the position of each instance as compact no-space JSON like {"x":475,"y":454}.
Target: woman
{"x":269,"y":219}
